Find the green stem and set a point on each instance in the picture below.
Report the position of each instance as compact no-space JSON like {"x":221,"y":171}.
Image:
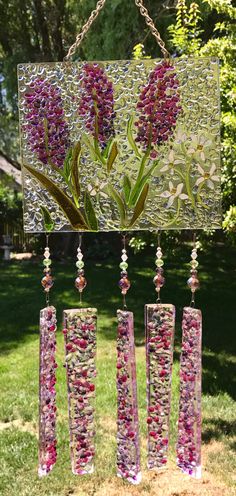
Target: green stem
{"x":199,"y":196}
{"x":143,"y":163}
{"x":140,"y":175}
{"x":171,"y":222}
{"x":96,"y":139}
{"x":180,"y":174}
{"x":188,"y":186}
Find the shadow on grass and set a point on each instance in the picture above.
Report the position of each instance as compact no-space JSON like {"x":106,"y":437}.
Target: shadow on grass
{"x":217,"y":429}
{"x":21,"y":298}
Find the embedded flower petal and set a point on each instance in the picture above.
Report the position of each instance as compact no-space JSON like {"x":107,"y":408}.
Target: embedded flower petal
{"x":199,"y":181}
{"x":170,"y":201}
{"x":165,"y":194}
{"x":165,"y":168}
{"x":183,"y":196}
{"x":212,"y":169}
{"x":179,"y":189}
{"x":215,"y":178}
{"x":210,"y":184}
{"x":200,"y":169}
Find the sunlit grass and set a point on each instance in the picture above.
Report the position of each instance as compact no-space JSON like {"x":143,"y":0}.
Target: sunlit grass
{"x":21,"y":300}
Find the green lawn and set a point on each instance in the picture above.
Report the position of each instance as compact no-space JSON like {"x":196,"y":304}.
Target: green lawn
{"x":21,"y":299}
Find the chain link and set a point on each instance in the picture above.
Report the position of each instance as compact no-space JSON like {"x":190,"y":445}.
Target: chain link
{"x":100,"y":4}
{"x":150,"y":23}
{"x":86,"y":27}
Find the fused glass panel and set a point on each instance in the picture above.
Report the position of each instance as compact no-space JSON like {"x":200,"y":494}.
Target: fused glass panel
{"x":120,"y":145}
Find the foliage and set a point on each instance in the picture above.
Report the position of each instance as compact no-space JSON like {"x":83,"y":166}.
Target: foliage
{"x":10,"y":205}
{"x":186,"y":39}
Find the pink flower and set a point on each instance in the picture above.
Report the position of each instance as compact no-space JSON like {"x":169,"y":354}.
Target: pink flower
{"x":158,"y":106}
{"x":97,"y":103}
{"x":46,"y":127}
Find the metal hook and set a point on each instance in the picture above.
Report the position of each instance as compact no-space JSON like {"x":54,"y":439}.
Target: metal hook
{"x":192,"y":302}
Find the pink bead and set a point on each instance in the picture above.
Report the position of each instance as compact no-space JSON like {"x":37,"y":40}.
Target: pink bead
{"x":159,"y":281}
{"x":193,"y":283}
{"x":80,"y":283}
{"x":124,"y":284}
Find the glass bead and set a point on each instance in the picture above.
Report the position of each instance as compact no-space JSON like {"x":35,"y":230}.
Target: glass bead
{"x":80,"y":264}
{"x":124,"y":273}
{"x":159,"y":262}
{"x":47,"y":283}
{"x":123,"y":251}
{"x":194,"y":264}
{"x":123,"y":265}
{"x":159,"y":270}
{"x":159,"y":253}
{"x":194,"y":255}
{"x":159,"y":281}
{"x":47,"y":270}
{"x":80,"y":283}
{"x":124,"y":285}
{"x":124,"y":258}
{"x":193,"y":283}
{"x":47,"y":262}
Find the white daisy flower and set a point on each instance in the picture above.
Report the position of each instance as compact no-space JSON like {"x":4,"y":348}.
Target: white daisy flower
{"x":209,"y":177}
{"x":97,"y":187}
{"x":199,"y":144}
{"x":173,"y":193}
{"x":170,"y":162}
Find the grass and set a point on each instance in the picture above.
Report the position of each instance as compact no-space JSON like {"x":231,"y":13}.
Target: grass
{"x":21,"y":300}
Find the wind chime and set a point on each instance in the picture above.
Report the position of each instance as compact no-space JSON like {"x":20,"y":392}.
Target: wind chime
{"x":121,"y":146}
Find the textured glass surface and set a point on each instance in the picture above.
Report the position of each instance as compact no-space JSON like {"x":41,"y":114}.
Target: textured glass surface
{"x":160,"y":327}
{"x":80,"y":348}
{"x":189,"y":424}
{"x":47,"y":392}
{"x":128,"y":448}
{"x":120,"y":145}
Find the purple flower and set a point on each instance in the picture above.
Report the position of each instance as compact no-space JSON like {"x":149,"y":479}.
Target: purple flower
{"x":97,"y":103}
{"x":158,"y":107}
{"x":46,"y":127}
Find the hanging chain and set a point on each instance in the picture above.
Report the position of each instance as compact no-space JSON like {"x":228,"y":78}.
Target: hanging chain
{"x":86,"y":27}
{"x":100,"y":4}
{"x":150,"y":23}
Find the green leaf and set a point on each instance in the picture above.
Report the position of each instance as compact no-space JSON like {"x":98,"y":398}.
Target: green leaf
{"x":47,"y":219}
{"x":140,"y":205}
{"x":139,"y":186}
{"x":90,"y":146}
{"x":72,"y":213}
{"x":126,"y":188}
{"x":90,"y":212}
{"x":76,"y":152}
{"x":106,"y":150}
{"x":67,"y":164}
{"x":118,"y":199}
{"x":130,"y":136}
{"x":112,"y":156}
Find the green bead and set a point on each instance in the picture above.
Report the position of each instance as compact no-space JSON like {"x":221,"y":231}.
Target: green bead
{"x":80,"y":264}
{"x":123,"y":265}
{"x":194,"y":264}
{"x":159,"y":262}
{"x":47,"y":262}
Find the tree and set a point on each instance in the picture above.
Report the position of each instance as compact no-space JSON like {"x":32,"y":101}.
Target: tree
{"x":187,"y":38}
